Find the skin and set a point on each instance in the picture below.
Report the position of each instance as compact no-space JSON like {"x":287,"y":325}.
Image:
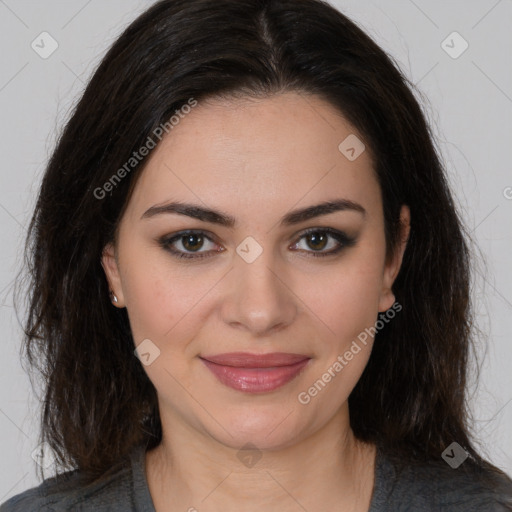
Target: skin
{"x":255,"y":160}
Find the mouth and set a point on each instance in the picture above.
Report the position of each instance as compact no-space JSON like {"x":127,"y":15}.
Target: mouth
{"x":255,"y":373}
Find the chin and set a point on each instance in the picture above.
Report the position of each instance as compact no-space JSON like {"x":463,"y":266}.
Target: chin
{"x":271,"y":429}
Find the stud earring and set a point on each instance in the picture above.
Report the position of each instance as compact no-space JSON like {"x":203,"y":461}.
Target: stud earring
{"x":113,"y":298}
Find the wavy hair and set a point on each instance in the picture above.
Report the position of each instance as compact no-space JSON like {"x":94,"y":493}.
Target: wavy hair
{"x":98,"y":402}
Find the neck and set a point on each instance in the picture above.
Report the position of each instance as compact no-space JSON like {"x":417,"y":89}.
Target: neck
{"x":329,"y":469}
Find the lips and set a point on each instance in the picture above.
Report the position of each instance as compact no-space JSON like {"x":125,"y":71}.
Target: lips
{"x":255,"y":373}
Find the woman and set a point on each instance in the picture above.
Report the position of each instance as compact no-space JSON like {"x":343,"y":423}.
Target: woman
{"x":250,"y":285}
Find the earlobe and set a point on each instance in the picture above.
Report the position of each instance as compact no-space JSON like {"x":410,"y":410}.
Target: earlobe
{"x":392,"y":269}
{"x":111,"y":269}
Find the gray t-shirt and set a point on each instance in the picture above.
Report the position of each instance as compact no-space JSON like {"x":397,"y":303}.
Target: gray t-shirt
{"x":428,"y":487}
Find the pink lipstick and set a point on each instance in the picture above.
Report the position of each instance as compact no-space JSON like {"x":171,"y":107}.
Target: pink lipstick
{"x":255,"y":373}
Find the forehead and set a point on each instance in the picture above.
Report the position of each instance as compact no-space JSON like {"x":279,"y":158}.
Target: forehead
{"x":246,"y":152}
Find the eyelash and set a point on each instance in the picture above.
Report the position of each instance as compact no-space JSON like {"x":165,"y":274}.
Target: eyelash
{"x":342,"y":238}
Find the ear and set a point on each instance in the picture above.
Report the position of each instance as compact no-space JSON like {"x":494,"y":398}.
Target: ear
{"x":111,"y":269}
{"x":392,"y":267}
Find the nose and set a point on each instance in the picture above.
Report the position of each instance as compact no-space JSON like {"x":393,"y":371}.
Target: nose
{"x":258,"y":297}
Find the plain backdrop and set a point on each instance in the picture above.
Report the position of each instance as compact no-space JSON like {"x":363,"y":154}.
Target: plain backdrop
{"x":467,"y":96}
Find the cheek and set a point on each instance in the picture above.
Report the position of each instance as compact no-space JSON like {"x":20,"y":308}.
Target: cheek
{"x":156,"y":299}
{"x":346,"y":298}
{"x":349,"y":309}
{"x":164,"y":309}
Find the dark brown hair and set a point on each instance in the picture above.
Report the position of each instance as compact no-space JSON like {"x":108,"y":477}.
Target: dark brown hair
{"x":98,"y":401}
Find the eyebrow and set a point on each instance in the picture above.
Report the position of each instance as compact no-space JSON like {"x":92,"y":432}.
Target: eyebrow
{"x":223,"y":219}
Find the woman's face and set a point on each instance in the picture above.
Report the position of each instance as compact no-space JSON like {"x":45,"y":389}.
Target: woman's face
{"x":251,"y":177}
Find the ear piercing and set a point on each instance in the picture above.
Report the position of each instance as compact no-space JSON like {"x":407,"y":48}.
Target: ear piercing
{"x":113,"y":298}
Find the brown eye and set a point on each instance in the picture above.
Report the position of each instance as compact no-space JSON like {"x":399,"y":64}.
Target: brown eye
{"x":192,"y":242}
{"x":317,"y":240}
{"x":314,"y":242}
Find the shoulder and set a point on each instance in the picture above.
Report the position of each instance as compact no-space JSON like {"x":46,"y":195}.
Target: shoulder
{"x":113,"y":491}
{"x":435,"y":485}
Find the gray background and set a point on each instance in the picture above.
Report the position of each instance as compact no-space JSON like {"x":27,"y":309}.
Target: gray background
{"x":468,"y":101}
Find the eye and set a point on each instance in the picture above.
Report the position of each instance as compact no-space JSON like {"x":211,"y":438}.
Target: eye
{"x":320,"y":239}
{"x":188,"y":244}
